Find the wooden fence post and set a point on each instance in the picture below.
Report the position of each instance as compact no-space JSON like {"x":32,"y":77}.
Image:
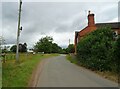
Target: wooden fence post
{"x":4,"y":57}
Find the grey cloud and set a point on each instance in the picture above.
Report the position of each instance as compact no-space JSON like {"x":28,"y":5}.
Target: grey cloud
{"x":39,"y":18}
{"x":107,"y":13}
{"x":9,"y":21}
{"x":9,"y":11}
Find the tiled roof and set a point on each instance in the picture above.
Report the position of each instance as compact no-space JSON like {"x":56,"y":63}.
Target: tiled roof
{"x":114,"y":25}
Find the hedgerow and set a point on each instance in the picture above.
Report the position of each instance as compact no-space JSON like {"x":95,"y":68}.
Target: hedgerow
{"x":97,"y":50}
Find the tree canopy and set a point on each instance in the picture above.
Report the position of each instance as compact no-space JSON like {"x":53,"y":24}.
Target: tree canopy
{"x":22,"y":48}
{"x":71,"y":48}
{"x":46,"y":45}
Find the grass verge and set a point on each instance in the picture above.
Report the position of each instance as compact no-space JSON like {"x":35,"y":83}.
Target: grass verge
{"x":106,"y":74}
{"x":18,"y":74}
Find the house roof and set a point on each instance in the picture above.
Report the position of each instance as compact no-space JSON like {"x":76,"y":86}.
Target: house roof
{"x":114,"y":25}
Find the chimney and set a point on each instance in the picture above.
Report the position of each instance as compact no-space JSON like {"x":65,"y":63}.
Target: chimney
{"x":91,"y":21}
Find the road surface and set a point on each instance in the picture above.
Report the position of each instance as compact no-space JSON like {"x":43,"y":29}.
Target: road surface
{"x":59,"y":72}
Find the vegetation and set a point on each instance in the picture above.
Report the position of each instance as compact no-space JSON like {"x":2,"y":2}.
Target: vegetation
{"x":47,"y":43}
{"x":65,"y":51}
{"x":72,"y":59}
{"x":56,"y":48}
{"x":117,"y":57}
{"x":18,"y":75}
{"x":70,"y":48}
{"x":41,"y":46}
{"x":22,"y":48}
{"x":5,"y":49}
{"x":99,"y":51}
{"x":106,"y":74}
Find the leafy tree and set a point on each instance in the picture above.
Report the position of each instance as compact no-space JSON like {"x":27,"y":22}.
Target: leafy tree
{"x":46,"y":45}
{"x":65,"y":51}
{"x":22,"y":48}
{"x":13,"y":48}
{"x":71,"y":48}
{"x":56,"y":48}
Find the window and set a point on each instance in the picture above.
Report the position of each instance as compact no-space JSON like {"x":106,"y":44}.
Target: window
{"x":115,"y":34}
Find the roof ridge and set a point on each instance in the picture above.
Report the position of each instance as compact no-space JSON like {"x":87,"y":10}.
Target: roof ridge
{"x":109,"y":23}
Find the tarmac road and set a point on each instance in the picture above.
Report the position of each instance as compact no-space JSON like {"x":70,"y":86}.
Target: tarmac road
{"x":59,"y":72}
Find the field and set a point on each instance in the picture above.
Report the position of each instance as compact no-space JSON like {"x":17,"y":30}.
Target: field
{"x":18,"y":74}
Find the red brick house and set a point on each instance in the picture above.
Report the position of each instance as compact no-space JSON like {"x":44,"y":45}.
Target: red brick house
{"x":92,"y":26}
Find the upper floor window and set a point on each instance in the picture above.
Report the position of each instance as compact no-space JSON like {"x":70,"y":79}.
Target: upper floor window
{"x":115,"y":34}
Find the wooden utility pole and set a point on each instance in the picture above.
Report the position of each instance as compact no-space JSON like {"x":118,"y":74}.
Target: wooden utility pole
{"x":18,"y":32}
{"x":69,"y":41}
{"x":0,"y":44}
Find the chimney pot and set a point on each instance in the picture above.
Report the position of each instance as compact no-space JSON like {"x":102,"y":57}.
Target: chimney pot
{"x":89,"y":12}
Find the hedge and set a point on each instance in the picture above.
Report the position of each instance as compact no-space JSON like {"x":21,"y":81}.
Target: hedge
{"x":98,"y":50}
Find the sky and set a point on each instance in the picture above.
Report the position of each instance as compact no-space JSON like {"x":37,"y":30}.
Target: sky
{"x":58,"y":19}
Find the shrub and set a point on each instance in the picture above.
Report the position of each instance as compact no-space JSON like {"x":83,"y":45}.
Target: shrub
{"x":96,"y":50}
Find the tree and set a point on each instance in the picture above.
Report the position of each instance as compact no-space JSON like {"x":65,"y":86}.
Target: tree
{"x":44,"y":45}
{"x":22,"y":48}
{"x":71,"y":48}
{"x":65,"y":50}
{"x":13,"y":48}
{"x":56,"y":48}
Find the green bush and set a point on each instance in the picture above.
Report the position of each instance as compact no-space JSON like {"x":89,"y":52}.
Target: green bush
{"x":116,"y":59}
{"x":96,"y":50}
{"x":70,"y":48}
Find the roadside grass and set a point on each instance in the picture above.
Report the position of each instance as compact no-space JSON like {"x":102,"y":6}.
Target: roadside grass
{"x":75,"y":61}
{"x":18,"y":74}
{"x":106,"y":74}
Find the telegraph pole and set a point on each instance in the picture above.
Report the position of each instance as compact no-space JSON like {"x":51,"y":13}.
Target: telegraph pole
{"x":1,"y":39}
{"x":18,"y":32}
{"x":69,"y":41}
